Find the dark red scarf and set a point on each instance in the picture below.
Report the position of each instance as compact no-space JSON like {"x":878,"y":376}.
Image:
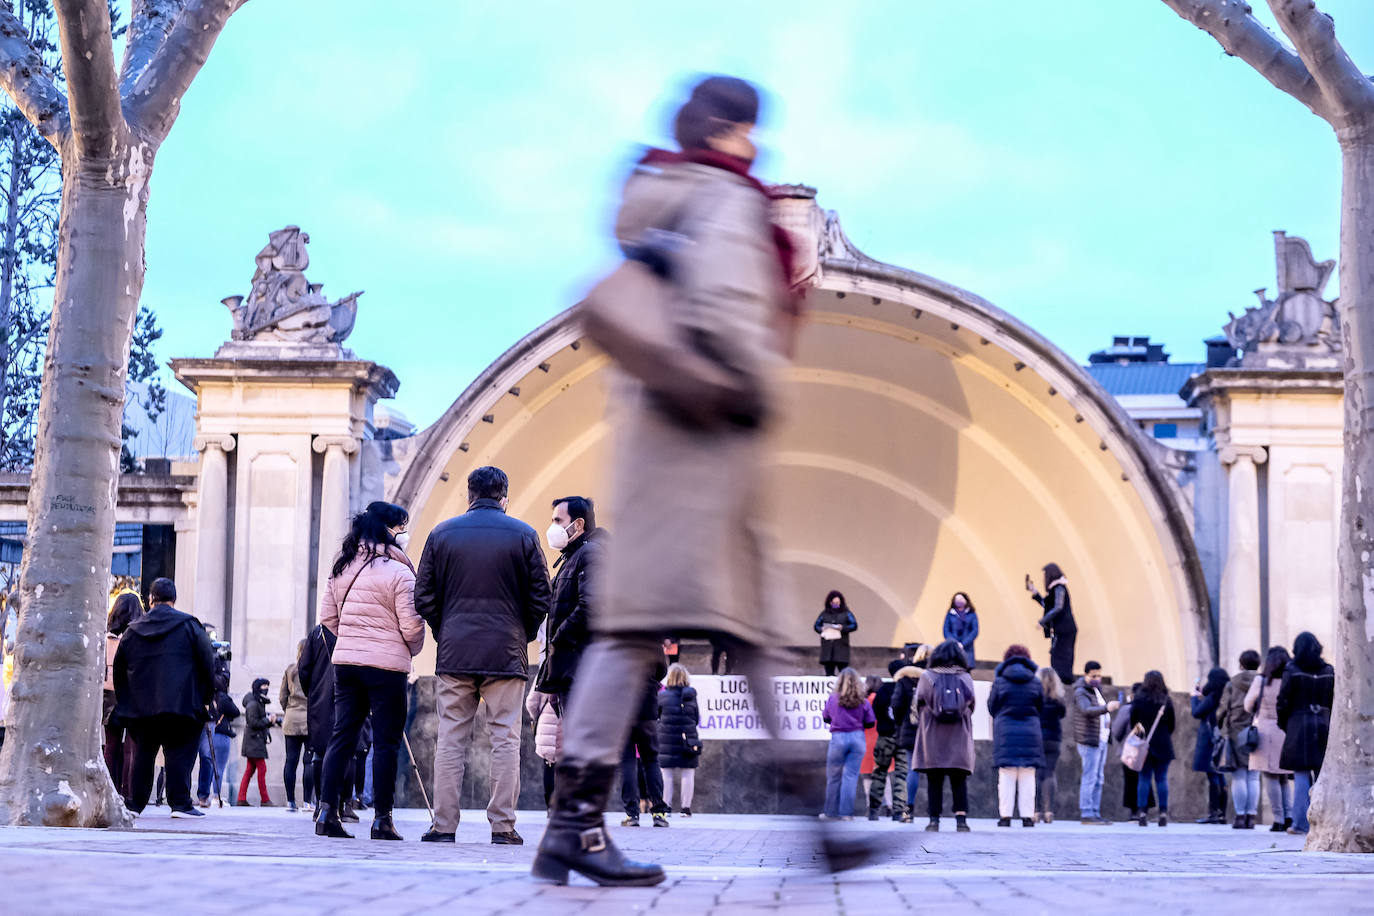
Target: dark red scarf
{"x":782,"y":240}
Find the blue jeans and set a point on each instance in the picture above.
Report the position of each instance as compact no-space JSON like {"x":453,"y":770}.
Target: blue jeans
{"x":1302,"y":797}
{"x":367,"y":776}
{"x":1159,"y":770}
{"x":913,"y":782}
{"x":1094,"y":771}
{"x":1245,"y":791}
{"x":206,"y":773}
{"x":842,"y":763}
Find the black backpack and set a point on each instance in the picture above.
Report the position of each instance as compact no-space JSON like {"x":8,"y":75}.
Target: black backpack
{"x":949,"y":701}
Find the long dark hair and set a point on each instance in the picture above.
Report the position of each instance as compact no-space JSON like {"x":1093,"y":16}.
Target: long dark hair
{"x":717,"y":104}
{"x":1052,"y":573}
{"x":1153,"y":689}
{"x":371,"y":531}
{"x":1307,"y":652}
{"x":1217,"y":679}
{"x":1275,"y":660}
{"x":127,"y":608}
{"x":949,"y":654}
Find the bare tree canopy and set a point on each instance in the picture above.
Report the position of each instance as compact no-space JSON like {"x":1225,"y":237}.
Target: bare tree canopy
{"x":106,"y":127}
{"x":1318,"y":72}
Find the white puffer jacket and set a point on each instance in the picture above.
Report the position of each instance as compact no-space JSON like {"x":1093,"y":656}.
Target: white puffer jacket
{"x":548,"y":727}
{"x":377,"y":625}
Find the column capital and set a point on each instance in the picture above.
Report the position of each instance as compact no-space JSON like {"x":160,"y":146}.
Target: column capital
{"x":221,"y":442}
{"x":348,"y":444}
{"x":1230,"y":454}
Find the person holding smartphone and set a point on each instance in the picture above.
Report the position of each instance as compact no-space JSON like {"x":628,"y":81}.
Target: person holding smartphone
{"x":1057,"y":621}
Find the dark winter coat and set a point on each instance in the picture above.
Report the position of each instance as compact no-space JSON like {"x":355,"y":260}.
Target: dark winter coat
{"x":1143,"y":712}
{"x":316,"y":671}
{"x":963,"y":629}
{"x":903,"y":698}
{"x":568,"y":630}
{"x":164,"y":666}
{"x":678,"y":718}
{"x":836,"y":651}
{"x":223,"y":712}
{"x":1232,"y":716}
{"x":1204,"y":709}
{"x":1061,"y":628}
{"x":648,"y":698}
{"x":257,"y":727}
{"x":1087,"y":725}
{"x":483,"y":588}
{"x":1304,"y":706}
{"x":882,"y":709}
{"x":1015,"y":704}
{"x":1052,"y":727}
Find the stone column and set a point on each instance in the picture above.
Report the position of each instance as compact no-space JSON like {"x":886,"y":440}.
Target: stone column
{"x":212,"y":530}
{"x":1240,"y":578}
{"x":335,"y":499}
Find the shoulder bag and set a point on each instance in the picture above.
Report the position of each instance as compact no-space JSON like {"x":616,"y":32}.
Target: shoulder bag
{"x":633,"y":315}
{"x":1137,"y":746}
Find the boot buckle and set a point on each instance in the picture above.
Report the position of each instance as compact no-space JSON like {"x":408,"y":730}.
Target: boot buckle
{"x":594,"y":839}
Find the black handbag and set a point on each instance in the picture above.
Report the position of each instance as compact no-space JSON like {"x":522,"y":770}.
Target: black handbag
{"x":1223,"y":754}
{"x":691,"y":747}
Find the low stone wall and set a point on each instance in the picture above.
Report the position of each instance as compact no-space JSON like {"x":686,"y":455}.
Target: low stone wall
{"x":742,"y":776}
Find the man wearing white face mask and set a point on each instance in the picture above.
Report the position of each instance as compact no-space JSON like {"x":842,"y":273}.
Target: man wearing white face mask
{"x":581,"y":544}
{"x":483,"y":587}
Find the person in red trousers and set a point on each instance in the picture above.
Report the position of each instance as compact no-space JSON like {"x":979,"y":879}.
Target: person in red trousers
{"x":256,"y":736}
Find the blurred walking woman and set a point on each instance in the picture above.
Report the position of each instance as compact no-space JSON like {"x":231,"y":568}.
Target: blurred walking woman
{"x":369,"y":603}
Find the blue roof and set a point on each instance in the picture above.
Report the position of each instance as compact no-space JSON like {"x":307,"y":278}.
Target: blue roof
{"x":1143,"y":378}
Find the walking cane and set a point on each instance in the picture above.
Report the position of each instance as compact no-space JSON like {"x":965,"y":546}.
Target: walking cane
{"x":418,"y":780}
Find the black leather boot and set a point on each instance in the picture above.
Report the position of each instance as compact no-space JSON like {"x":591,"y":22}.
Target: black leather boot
{"x":327,"y":824}
{"x":576,"y":838}
{"x":383,"y":828}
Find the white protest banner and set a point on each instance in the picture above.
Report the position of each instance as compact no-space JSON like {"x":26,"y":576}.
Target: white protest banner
{"x":729,"y":713}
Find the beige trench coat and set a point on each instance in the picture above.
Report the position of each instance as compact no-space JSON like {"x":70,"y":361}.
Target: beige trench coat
{"x":692,"y":549}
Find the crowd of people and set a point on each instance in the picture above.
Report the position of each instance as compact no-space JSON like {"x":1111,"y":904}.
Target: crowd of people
{"x":1254,"y":726}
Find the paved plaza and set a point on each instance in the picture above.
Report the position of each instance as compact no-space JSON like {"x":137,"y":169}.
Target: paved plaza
{"x":261,"y":862}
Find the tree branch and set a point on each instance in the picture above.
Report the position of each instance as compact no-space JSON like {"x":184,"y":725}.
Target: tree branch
{"x":1314,"y":36}
{"x":150,"y":22}
{"x":88,"y":61}
{"x":1242,"y":35}
{"x":28,"y":81}
{"x":155,"y":99}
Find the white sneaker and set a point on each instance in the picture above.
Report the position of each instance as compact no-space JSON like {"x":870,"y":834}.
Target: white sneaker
{"x":190,"y":812}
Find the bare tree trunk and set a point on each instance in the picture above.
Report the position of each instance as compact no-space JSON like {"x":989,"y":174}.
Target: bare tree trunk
{"x":58,"y":777}
{"x":1342,"y":813}
{"x":1319,"y":73}
{"x":51,"y":769}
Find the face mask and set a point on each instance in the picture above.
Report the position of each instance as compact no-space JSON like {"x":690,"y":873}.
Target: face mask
{"x":403,"y":540}
{"x":558,"y":535}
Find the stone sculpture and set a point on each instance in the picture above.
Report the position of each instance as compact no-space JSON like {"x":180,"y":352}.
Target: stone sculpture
{"x":283,"y":305}
{"x":1297,"y":328}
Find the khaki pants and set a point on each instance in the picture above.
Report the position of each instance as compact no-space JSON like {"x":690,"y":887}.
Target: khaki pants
{"x":458,"y":697}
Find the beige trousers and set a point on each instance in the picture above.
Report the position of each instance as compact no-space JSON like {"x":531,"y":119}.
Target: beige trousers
{"x":1016,"y":788}
{"x":458,"y":697}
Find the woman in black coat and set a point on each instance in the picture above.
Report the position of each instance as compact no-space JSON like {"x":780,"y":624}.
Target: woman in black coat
{"x":1018,"y":747}
{"x":1057,"y":621}
{"x":256,"y":736}
{"x":1206,"y":698}
{"x":1051,"y":736}
{"x":1304,"y":709}
{"x":834,"y":623}
{"x":1149,"y":704}
{"x":679,"y":747}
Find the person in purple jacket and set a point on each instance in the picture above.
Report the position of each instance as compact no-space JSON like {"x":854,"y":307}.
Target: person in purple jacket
{"x":848,"y":713}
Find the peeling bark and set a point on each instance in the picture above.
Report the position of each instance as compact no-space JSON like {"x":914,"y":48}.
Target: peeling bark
{"x":1321,"y":75}
{"x":52,"y":771}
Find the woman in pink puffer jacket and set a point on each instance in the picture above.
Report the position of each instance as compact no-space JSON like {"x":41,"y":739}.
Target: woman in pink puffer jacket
{"x":369,"y":602}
